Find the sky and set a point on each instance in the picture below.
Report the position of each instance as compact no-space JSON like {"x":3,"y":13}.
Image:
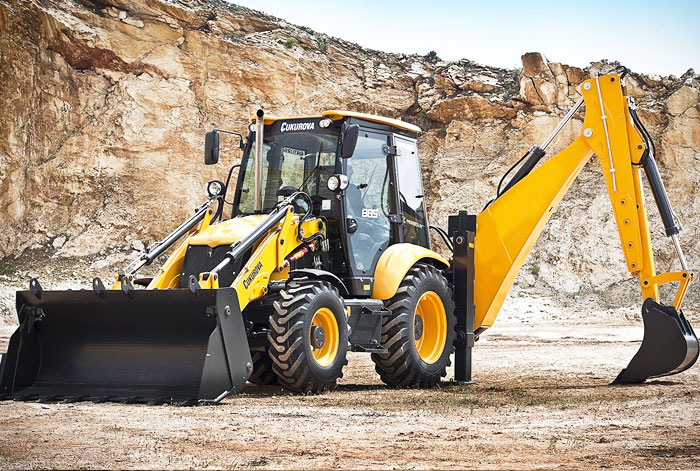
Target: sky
{"x":661,"y":37}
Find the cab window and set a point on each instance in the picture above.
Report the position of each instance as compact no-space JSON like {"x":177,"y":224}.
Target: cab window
{"x":412,"y":200}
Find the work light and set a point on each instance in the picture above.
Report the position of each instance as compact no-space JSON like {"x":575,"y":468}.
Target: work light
{"x":338,"y":182}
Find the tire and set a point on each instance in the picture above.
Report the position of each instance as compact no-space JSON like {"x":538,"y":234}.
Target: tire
{"x":303,"y":307}
{"x":422,"y":307}
{"x":262,"y":374}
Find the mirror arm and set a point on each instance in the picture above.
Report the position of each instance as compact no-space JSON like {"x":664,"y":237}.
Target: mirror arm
{"x":240,"y":137}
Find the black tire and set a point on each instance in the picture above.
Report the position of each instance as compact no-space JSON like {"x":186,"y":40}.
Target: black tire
{"x":262,"y":374}
{"x":402,"y":365}
{"x":291,"y":349}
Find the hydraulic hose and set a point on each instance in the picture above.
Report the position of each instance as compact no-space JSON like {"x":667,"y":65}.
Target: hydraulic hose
{"x":239,"y":248}
{"x":647,"y":161}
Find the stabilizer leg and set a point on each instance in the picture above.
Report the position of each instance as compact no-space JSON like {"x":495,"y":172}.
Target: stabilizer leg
{"x":462,"y":229}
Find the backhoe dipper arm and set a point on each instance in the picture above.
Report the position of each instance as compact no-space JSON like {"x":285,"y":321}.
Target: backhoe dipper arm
{"x":510,"y":225}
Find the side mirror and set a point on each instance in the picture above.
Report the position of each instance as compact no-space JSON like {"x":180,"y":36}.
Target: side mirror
{"x":211,"y":147}
{"x":350,"y":135}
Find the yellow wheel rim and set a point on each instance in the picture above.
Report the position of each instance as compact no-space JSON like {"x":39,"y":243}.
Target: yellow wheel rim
{"x":324,"y":319}
{"x":430,"y":327}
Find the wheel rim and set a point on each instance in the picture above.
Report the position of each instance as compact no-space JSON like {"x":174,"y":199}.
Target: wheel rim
{"x":430,"y":316}
{"x":326,"y":353}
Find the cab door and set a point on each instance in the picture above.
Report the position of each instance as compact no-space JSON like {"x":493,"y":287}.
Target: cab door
{"x":368,"y":203}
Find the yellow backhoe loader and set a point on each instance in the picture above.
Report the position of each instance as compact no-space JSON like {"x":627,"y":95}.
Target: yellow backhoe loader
{"x":321,"y":245}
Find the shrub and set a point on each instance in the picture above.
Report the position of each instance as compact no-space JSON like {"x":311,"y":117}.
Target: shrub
{"x":432,"y":56}
{"x":322,"y":43}
{"x":290,"y":43}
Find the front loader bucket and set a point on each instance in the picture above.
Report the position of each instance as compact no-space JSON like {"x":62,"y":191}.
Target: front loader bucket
{"x":147,"y":346}
{"x":669,"y":345}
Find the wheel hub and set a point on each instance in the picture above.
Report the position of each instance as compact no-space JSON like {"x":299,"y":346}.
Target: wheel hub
{"x":417,"y":327}
{"x":430,"y":327}
{"x":318,"y":336}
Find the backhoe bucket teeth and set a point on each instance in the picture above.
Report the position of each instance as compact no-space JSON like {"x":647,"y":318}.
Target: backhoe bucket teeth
{"x":153,"y":346}
{"x":669,"y":345}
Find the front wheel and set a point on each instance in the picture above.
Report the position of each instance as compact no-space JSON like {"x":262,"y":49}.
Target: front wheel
{"x":308,"y":337}
{"x":262,"y":374}
{"x":420,"y":332}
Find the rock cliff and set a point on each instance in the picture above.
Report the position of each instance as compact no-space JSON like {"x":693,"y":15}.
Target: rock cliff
{"x":105,"y":102}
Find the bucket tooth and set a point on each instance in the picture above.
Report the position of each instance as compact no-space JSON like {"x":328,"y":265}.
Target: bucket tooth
{"x":669,"y":346}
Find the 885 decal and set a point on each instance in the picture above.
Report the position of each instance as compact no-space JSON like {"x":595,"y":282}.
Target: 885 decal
{"x":370,"y":213}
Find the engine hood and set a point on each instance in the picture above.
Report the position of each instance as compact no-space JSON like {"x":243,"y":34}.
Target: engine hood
{"x":227,"y":232}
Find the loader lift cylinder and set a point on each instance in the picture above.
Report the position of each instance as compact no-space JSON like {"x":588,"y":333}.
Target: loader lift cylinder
{"x":462,"y":229}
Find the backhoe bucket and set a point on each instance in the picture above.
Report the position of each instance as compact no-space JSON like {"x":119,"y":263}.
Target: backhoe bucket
{"x":153,"y":346}
{"x":669,"y":345}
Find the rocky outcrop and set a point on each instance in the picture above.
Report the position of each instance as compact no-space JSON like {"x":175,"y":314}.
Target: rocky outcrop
{"x":105,"y":103}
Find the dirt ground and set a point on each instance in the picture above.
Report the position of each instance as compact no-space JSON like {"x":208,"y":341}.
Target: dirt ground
{"x":541,"y":399}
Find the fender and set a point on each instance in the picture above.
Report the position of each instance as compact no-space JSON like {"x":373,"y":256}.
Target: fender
{"x":395,"y":262}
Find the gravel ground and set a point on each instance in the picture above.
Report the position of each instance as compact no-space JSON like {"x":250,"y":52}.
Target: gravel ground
{"x":542,"y":399}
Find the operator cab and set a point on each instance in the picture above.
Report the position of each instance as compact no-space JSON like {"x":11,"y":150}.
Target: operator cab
{"x":380,"y":203}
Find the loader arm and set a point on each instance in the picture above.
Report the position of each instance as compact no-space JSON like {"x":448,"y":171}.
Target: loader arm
{"x":272,"y":241}
{"x":516,"y":218}
{"x":269,"y":259}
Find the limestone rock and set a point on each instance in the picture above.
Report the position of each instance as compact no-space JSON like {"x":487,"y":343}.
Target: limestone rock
{"x":105,"y":105}
{"x":58,"y":242}
{"x":684,"y":99}
{"x":468,"y":107}
{"x":547,"y":83}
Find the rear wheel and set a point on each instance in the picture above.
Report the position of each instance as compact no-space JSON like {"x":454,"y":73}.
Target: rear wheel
{"x":308,"y":337}
{"x":420,"y":332}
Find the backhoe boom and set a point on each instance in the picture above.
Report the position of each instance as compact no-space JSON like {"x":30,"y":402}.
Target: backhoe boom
{"x":517,"y":216}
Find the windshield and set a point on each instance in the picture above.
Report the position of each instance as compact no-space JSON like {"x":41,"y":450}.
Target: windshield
{"x":297,"y":154}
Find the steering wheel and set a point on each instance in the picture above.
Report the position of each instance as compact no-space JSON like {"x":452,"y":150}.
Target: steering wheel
{"x":287,"y":191}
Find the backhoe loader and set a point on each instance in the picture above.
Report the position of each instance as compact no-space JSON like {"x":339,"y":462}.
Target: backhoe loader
{"x":321,"y":245}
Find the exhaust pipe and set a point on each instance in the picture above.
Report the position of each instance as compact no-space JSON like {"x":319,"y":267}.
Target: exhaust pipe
{"x":259,"y":129}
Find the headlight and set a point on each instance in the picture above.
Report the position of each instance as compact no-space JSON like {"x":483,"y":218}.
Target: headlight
{"x":338,"y":182}
{"x":252,"y":127}
{"x":324,"y":123}
{"x":215,"y":188}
